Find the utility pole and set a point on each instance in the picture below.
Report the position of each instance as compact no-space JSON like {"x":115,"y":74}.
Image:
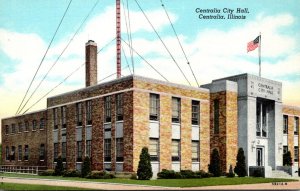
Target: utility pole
{"x":118,"y":38}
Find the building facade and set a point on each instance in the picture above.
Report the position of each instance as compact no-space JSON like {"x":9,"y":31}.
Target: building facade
{"x":111,"y":123}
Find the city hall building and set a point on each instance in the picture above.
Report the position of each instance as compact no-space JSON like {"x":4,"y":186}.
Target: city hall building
{"x":111,"y":122}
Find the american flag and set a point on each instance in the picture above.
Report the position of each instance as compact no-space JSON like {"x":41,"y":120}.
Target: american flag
{"x":252,"y":45}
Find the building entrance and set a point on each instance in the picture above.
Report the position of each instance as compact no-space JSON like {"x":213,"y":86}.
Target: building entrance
{"x":259,"y":157}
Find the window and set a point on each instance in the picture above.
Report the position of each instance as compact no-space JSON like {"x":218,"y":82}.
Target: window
{"x":42,"y":152}
{"x":175,"y":150}
{"x":79,"y":114}
{"x":7,"y":153}
{"x":26,"y":126}
{"x":13,"y":154}
{"x":107,"y":109}
{"x":55,"y":118}
{"x":55,"y":152}
{"x":285,"y":149}
{"x":26,"y":152}
{"x":195,"y":151}
{"x":42,"y":123}
{"x":296,"y":153}
{"x":6,"y":129}
{"x":154,"y":149}
{"x":195,"y":112}
{"x":175,"y":110}
{"x":107,"y":150}
{"x":64,"y":116}
{"x":119,"y":149}
{"x":34,"y":125}
{"x":13,"y":128}
{"x":89,"y":148}
{"x":154,"y":107}
{"x":216,"y":116}
{"x":79,"y":151}
{"x":20,"y":127}
{"x":296,"y":126}
{"x":119,"y":107}
{"x":261,"y":119}
{"x":285,"y":124}
{"x":63,"y":151}
{"x":89,"y":112}
{"x":20,"y":152}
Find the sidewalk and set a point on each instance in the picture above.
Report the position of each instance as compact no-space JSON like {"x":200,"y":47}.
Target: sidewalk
{"x":117,"y":186}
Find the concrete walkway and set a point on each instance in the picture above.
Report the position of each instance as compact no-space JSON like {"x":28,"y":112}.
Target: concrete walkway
{"x":117,"y":186}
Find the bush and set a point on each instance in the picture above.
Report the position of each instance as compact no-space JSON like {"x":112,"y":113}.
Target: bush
{"x":144,"y":171}
{"x":203,"y":174}
{"x":133,"y":176}
{"x":230,"y":174}
{"x":214,"y":166}
{"x":71,"y":173}
{"x":48,"y":172}
{"x":166,"y":174}
{"x":287,"y":159}
{"x":59,"y":168}
{"x":100,"y":175}
{"x":86,"y":167}
{"x":240,"y":167}
{"x":188,"y":174}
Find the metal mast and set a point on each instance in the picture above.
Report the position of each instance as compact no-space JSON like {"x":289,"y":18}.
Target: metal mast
{"x":118,"y":38}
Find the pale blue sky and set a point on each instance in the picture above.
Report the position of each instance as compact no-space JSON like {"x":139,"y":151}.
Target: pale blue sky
{"x":216,"y":48}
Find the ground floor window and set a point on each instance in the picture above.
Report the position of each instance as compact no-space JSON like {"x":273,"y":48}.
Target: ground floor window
{"x":79,"y":151}
{"x":89,"y":148}
{"x":119,"y":149}
{"x":42,"y":152}
{"x":26,"y":152}
{"x":154,"y":149}
{"x":296,"y":153}
{"x":285,"y":149}
{"x":64,"y":151}
{"x":55,"y":152}
{"x":13,"y":154}
{"x":7,"y":153}
{"x":175,"y":150}
{"x":20,"y":152}
{"x":195,"y":151}
{"x":107,"y":150}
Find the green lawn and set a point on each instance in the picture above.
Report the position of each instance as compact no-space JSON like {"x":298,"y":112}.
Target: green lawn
{"x":13,"y":186}
{"x":168,"y":182}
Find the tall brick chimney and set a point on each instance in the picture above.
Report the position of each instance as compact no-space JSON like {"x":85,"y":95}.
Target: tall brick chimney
{"x":90,"y":63}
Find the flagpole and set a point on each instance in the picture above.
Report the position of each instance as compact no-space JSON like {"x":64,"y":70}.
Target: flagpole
{"x":259,"y":54}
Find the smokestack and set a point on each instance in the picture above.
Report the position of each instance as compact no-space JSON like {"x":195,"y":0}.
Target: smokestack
{"x":90,"y":63}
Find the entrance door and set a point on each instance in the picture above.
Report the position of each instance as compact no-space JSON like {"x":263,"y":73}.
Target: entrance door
{"x":259,"y":156}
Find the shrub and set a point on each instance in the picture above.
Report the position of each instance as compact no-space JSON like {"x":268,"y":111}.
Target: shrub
{"x":71,"y":173}
{"x":133,"y":176}
{"x":144,"y":171}
{"x":287,"y":159}
{"x":86,"y":167}
{"x":166,"y":174}
{"x":188,"y":174}
{"x":48,"y":172}
{"x":240,"y":167}
{"x":100,"y":175}
{"x":214,"y":166}
{"x":59,"y":168}
{"x":230,"y":174}
{"x":203,"y":174}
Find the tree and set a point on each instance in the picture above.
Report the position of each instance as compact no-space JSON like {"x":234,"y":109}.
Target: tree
{"x":240,"y":167}
{"x":86,"y":167}
{"x":59,"y":168}
{"x":287,"y":159}
{"x":214,"y":166}
{"x":144,"y":171}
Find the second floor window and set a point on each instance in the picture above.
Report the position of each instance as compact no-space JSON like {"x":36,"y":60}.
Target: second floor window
{"x":64,"y":116}
{"x":26,"y":126}
{"x":34,"y":125}
{"x":89,"y":112}
{"x":154,"y":107}
{"x":79,"y":114}
{"x":175,"y":110}
{"x":55,"y":118}
{"x":195,"y":112}
{"x":6,"y":129}
{"x":296,"y":126}
{"x":285,"y":124}
{"x":13,"y":128}
{"x":107,"y":109}
{"x":20,"y":127}
{"x":42,"y":123}
{"x":119,"y":106}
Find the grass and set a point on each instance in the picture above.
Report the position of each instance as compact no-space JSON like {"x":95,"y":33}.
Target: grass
{"x":168,"y":182}
{"x":14,"y":186}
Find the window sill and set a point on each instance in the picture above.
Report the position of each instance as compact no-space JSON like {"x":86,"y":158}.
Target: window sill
{"x":107,"y":123}
{"x":86,"y":126}
{"x":19,"y":132}
{"x":154,"y":162}
{"x":121,"y":121}
{"x":78,"y":126}
{"x":195,"y":162}
{"x":262,"y":137}
{"x":33,"y":130}
{"x":55,"y":130}
{"x":26,"y":131}
{"x":42,"y":129}
{"x":120,"y":162}
{"x":176,"y":162}
{"x":42,"y":160}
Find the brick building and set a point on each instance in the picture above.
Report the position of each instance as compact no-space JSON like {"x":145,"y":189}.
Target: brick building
{"x":111,"y":122}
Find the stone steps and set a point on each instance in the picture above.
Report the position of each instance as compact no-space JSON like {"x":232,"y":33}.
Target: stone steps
{"x":280,"y":174}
